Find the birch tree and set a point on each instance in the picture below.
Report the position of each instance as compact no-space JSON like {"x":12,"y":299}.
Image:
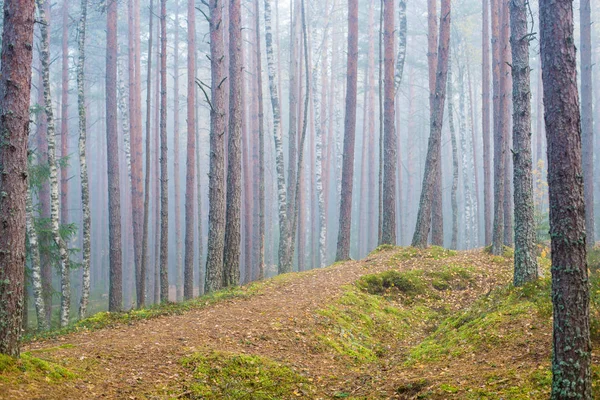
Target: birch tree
{"x":65,"y":285}
{"x":85,"y":185}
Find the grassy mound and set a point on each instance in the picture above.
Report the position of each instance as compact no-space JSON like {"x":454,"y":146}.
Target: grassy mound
{"x":240,"y":376}
{"x":27,"y":367}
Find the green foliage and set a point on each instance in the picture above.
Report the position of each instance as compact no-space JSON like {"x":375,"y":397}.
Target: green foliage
{"x":383,"y":247}
{"x":220,"y":375}
{"x":393,"y":282}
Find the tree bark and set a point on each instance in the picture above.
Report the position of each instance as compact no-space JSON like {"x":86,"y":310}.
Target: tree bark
{"x":216,"y":194}
{"x":54,"y":199}
{"x":115,"y":297}
{"x":279,"y":160}
{"x":587,"y":119}
{"x":571,"y":355}
{"x":36,"y":278}
{"x":432,"y":161}
{"x":506,"y":105}
{"x":85,"y":185}
{"x":343,"y":247}
{"x":164,"y":174}
{"x":453,"y":193}
{"x":176,"y":158}
{"x":64,"y":116}
{"x":261,"y":148}
{"x":525,"y":261}
{"x":231,"y":259}
{"x":188,"y":279}
{"x":499,"y":142}
{"x":388,"y":235}
{"x":15,"y":84}
{"x":485,"y":121}
{"x":146,"y":229}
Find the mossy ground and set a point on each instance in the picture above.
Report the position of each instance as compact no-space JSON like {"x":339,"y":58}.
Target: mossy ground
{"x":219,"y":375}
{"x":404,"y":323}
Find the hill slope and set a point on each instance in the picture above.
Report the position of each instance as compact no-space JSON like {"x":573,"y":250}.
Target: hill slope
{"x":401,"y":324}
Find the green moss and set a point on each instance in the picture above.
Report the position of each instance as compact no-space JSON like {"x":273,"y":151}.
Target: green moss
{"x":437,"y":253}
{"x":383,"y":247}
{"x":393,"y":282}
{"x":33,"y":368}
{"x":593,"y":259}
{"x":489,"y":322}
{"x":221,"y":375}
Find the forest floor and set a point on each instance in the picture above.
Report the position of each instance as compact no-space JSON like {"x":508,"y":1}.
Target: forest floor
{"x":402,"y":323}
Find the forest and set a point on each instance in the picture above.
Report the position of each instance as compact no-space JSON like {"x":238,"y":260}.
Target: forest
{"x":280,"y":199}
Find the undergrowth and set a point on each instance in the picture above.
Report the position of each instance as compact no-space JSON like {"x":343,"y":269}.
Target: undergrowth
{"x":219,"y":375}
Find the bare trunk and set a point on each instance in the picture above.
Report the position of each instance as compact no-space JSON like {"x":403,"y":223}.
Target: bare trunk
{"x":453,"y":193}
{"x":571,"y":355}
{"x":188,"y":279}
{"x":388,"y":235}
{"x":485,"y":121}
{"x":433,"y":161}
{"x":216,"y":195}
{"x":343,"y":247}
{"x":115,"y":299}
{"x":587,"y":119}
{"x":85,"y":186}
{"x":261,"y":150}
{"x":15,"y":83}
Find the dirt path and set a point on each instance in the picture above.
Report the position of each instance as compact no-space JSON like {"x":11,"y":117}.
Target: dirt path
{"x":142,"y":359}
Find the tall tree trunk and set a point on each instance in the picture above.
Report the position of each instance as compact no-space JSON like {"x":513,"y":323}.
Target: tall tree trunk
{"x":434,"y":148}
{"x":526,"y":268}
{"x":156,"y":188}
{"x":231,"y":259}
{"x":176,"y":158}
{"x":135,"y":129}
{"x":499,"y":142}
{"x":453,"y":193}
{"x":343,"y":247}
{"x":437,"y":221}
{"x":571,"y":355}
{"x":115,"y":299}
{"x":85,"y":185}
{"x":388,"y":235}
{"x":474,"y":163}
{"x":374,"y":229}
{"x":164,"y":174}
{"x":279,"y":162}
{"x":216,"y":194}
{"x":381,"y":126}
{"x":15,"y":84}
{"x":146,"y":226}
{"x":506,"y":104}
{"x":587,"y":119}
{"x":190,"y":177}
{"x":54,"y":200}
{"x":261,"y":148}
{"x":485,"y":121}
{"x":64,"y":116}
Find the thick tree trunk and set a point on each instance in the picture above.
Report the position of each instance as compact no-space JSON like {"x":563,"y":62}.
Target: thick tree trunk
{"x":506,"y":104}
{"x":526,"y":268}
{"x":216,"y":194}
{"x":571,"y":355}
{"x":52,"y":160}
{"x":433,"y":161}
{"x":388,"y":234}
{"x":115,"y":300}
{"x":15,"y":84}
{"x":485,"y":121}
{"x":85,"y":185}
{"x":343,"y":247}
{"x":587,"y":119}
{"x":190,"y":177}
{"x":231,"y":259}
{"x":164,"y":171}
